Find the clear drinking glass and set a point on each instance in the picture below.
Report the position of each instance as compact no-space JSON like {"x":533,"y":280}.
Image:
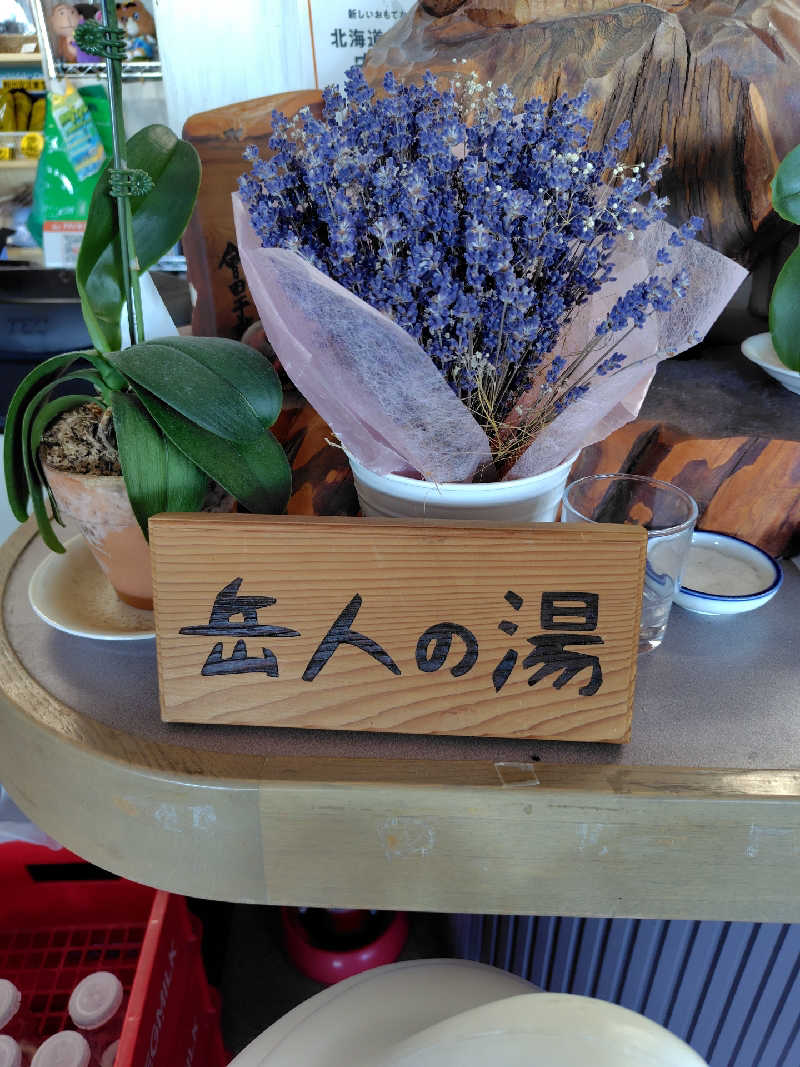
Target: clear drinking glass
{"x":666,"y":512}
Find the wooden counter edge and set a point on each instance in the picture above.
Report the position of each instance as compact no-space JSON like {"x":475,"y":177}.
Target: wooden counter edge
{"x":458,"y":836}
{"x":105,"y":742}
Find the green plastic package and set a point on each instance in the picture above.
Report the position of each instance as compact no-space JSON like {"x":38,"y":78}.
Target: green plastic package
{"x":69,"y":166}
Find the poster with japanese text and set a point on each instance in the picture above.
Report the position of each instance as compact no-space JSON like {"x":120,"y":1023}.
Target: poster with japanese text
{"x":343,"y":31}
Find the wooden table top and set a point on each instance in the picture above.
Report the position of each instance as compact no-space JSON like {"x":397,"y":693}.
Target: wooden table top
{"x":699,"y":817}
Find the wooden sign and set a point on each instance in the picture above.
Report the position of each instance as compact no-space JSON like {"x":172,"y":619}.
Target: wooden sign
{"x":405,"y":627}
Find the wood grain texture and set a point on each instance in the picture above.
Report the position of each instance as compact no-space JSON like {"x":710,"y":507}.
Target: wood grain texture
{"x":398,"y":580}
{"x":220,"y":137}
{"x":745,"y":486}
{"x":322,"y":482}
{"x":715,"y":83}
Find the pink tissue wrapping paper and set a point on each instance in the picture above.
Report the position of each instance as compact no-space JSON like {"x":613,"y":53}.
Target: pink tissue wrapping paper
{"x":371,"y":382}
{"x":390,"y":407}
{"x":616,"y":398}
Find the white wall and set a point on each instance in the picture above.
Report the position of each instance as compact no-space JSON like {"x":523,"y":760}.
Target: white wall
{"x":214,"y":53}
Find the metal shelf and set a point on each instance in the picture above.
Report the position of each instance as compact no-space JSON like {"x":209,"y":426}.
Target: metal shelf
{"x":130,"y":71}
{"x":56,"y":68}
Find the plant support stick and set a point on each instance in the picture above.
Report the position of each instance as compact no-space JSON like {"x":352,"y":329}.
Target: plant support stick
{"x":109,"y":41}
{"x":130,"y":266}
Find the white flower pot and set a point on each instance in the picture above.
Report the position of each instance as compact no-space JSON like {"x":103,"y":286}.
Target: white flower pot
{"x":521,"y":500}
{"x":759,"y":350}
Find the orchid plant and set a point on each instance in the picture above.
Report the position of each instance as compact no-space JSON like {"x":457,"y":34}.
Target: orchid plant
{"x":185,"y":410}
{"x":478,"y":226}
{"x":784,"y":307}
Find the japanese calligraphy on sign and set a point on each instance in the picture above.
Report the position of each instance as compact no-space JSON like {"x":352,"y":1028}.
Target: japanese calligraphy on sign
{"x":343,"y":32}
{"x":363,"y":624}
{"x":240,"y":300}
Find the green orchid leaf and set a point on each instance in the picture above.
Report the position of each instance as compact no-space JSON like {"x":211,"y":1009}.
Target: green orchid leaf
{"x":111,"y":377}
{"x":784,"y":312}
{"x":46,"y":530}
{"x":786,"y":187}
{"x":30,"y":460}
{"x":44,"y":416}
{"x":224,"y":387}
{"x":159,"y":219}
{"x":187,"y":484}
{"x":257,"y":473}
{"x":44,"y":376}
{"x":157,"y":476}
{"x":240,"y":366}
{"x":142,"y":457}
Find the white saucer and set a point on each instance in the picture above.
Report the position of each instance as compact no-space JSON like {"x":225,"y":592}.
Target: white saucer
{"x":759,"y":350}
{"x":750,"y":579}
{"x":71,"y":593}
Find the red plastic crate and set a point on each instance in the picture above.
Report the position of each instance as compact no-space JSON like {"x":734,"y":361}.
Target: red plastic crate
{"x":58,"y":923}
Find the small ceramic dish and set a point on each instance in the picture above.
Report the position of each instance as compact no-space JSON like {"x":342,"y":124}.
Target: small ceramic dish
{"x":759,"y":350}
{"x":70,"y":593}
{"x":725,"y":575}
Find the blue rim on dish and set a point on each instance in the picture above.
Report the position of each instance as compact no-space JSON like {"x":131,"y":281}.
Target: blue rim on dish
{"x":773,"y":587}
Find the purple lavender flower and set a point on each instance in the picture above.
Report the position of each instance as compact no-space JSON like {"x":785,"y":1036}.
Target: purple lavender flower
{"x":478,"y":226}
{"x":610,"y":363}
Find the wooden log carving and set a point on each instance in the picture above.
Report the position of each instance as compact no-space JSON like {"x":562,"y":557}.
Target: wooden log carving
{"x":716,"y":83}
{"x":745,"y":486}
{"x":322,"y":482}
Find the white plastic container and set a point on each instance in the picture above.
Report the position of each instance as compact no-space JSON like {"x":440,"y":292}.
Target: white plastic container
{"x":10,"y":1001}
{"x":10,"y":1052}
{"x":15,"y":1020}
{"x":557,"y":1029}
{"x":67,"y":1049}
{"x":521,"y":500}
{"x":110,"y":1055}
{"x":95,"y":1007}
{"x":449,"y":1013}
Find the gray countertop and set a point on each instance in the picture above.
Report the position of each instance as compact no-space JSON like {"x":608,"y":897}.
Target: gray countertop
{"x":722,"y":395}
{"x":719,"y":692}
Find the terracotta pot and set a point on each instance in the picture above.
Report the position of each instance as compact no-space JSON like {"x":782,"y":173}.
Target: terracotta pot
{"x":99,"y":505}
